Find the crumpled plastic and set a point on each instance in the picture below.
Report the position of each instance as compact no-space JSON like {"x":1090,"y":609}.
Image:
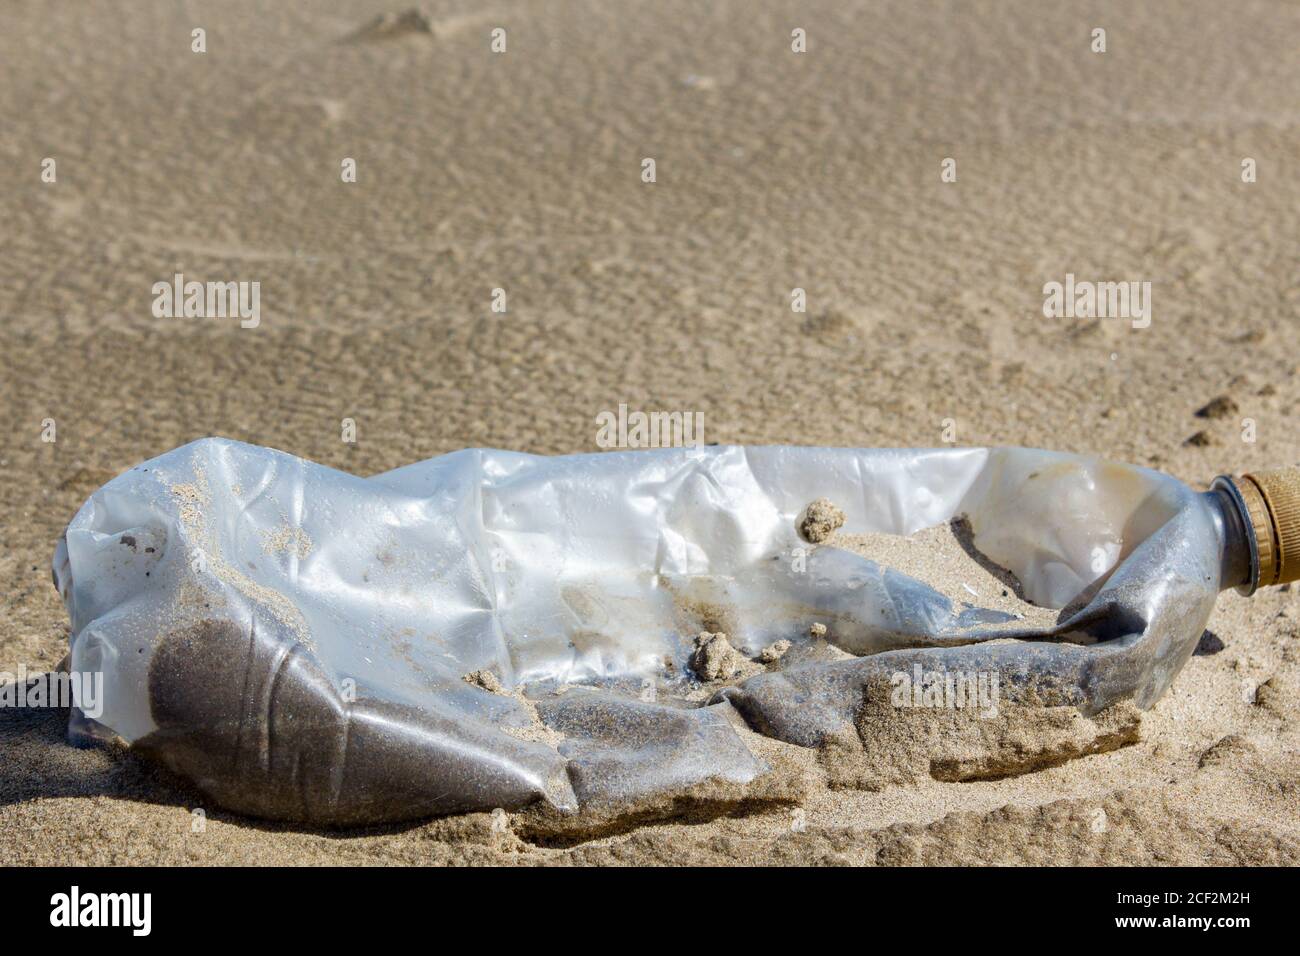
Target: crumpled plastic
{"x":293,"y":639}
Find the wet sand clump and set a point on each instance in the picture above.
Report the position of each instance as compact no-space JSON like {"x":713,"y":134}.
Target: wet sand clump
{"x":819,"y":521}
{"x":714,"y":659}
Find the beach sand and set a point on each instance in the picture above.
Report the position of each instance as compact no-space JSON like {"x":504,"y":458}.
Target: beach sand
{"x":521,"y":171}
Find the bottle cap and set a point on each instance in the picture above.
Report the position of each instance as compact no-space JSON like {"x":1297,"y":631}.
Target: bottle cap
{"x":1272,"y":500}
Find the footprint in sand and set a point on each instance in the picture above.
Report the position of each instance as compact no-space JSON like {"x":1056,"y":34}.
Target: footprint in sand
{"x":414,"y":22}
{"x":393,"y":26}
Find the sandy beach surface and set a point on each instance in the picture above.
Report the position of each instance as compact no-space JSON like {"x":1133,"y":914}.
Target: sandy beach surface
{"x":522,"y":171}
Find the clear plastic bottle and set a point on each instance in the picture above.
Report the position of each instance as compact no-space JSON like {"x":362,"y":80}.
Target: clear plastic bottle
{"x":489,"y":629}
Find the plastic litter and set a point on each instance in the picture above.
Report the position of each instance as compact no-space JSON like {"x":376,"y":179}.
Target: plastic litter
{"x":295,"y":640}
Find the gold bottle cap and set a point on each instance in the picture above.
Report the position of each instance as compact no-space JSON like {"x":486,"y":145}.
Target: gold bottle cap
{"x":1272,"y":501}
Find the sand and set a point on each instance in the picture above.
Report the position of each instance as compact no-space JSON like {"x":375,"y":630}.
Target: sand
{"x":819,"y":520}
{"x":775,"y":171}
{"x":946,"y":558}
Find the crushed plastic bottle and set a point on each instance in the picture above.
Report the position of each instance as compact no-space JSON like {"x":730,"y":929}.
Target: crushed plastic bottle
{"x":480,"y":630}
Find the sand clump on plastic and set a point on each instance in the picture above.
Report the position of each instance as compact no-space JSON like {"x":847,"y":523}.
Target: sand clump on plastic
{"x":774,"y":173}
{"x":715,"y":659}
{"x":821,"y":519}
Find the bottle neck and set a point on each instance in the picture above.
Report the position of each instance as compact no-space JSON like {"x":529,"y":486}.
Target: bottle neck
{"x":1238,"y":551}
